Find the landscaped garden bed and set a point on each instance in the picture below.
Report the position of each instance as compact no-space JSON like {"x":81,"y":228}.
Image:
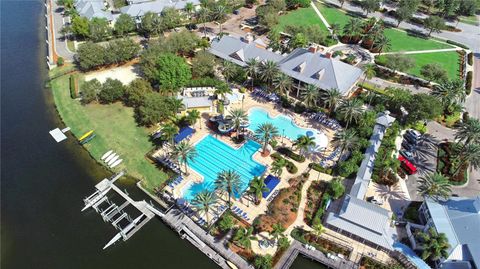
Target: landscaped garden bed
{"x":444,"y":165}
{"x":320,"y":243}
{"x":283,"y":209}
{"x":314,"y":200}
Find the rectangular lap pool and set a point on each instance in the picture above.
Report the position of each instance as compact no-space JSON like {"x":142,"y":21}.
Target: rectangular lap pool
{"x":215,"y":156}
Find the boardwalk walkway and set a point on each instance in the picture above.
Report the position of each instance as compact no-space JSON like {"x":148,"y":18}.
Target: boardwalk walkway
{"x":214,"y":249}
{"x":296,"y":248}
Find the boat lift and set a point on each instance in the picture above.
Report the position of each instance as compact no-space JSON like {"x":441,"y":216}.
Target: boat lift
{"x":110,"y":213}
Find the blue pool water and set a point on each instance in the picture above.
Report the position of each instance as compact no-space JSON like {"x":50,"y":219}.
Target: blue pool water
{"x":285,"y":125}
{"x":215,"y":156}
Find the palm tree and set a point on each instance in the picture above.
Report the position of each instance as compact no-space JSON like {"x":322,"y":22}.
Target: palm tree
{"x":450,"y":93}
{"x":193,"y":116}
{"x":335,"y":28}
{"x":352,"y":28}
{"x":310,"y":95}
{"x":369,"y":71}
{"x":185,"y":152}
{"x":277,"y":166}
{"x":219,"y":13}
{"x":204,"y":201}
{"x":468,"y":131}
{"x":203,"y":16}
{"x":251,"y":69}
{"x":435,"y":186}
{"x":238,"y":116}
{"x":382,"y":43}
{"x":351,"y":110}
{"x":229,"y":182}
{"x":177,"y":104}
{"x":434,"y":245}
{"x":282,"y":83}
{"x":466,"y":155}
{"x":243,"y":237}
{"x":257,"y":188}
{"x":346,"y":139}
{"x":330,"y":99}
{"x":268,"y":71}
{"x":266,"y":132}
{"x":228,"y":70}
{"x":304,"y":143}
{"x":263,"y":262}
{"x":277,"y":231}
{"x":318,"y":229}
{"x":222,"y":90}
{"x":169,"y":131}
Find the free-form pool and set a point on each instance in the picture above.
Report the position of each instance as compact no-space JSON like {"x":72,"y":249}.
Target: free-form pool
{"x":215,"y":156}
{"x":285,"y":126}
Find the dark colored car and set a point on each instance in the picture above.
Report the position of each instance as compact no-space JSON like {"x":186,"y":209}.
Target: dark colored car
{"x":406,"y":145}
{"x":407,"y":154}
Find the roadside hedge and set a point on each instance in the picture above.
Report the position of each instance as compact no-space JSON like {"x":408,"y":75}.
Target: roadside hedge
{"x":470,"y":58}
{"x":292,"y":155}
{"x":468,"y":83}
{"x":73,"y":87}
{"x":457,"y":44}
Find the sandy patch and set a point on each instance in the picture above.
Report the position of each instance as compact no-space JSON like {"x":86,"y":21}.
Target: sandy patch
{"x":124,"y":73}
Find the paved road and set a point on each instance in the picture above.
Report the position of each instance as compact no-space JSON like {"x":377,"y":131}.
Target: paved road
{"x":60,"y":42}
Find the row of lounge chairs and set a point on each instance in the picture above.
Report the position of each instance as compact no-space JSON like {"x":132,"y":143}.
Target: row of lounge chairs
{"x":330,"y":157}
{"x":240,"y":213}
{"x":325,"y":120}
{"x":169,"y":164}
{"x":269,"y":96}
{"x":175,"y":182}
{"x":274,"y":194}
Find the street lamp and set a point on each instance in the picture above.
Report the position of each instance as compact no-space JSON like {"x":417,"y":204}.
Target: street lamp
{"x":283,"y":134}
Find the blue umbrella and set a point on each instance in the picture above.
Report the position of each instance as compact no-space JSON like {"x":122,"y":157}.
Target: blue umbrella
{"x":309,"y":133}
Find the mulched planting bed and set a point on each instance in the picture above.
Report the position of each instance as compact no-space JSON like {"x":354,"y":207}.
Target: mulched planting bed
{"x":444,"y":165}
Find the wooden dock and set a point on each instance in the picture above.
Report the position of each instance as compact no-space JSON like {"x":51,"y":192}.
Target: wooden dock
{"x":297,"y":248}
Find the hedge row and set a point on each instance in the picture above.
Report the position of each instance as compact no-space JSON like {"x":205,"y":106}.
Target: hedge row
{"x":291,"y":167}
{"x":470,"y":58}
{"x":292,"y":155}
{"x":317,"y":167}
{"x":73,"y":87}
{"x":457,"y":44}
{"x":468,"y":84}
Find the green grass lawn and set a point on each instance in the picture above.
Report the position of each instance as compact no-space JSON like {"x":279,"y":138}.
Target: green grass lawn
{"x":115,"y":128}
{"x":301,"y":16}
{"x":71,"y":45}
{"x":333,"y":15}
{"x":401,"y":41}
{"x":449,"y":61}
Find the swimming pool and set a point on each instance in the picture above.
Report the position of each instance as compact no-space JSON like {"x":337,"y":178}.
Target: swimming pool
{"x":285,"y":126}
{"x":215,"y":156}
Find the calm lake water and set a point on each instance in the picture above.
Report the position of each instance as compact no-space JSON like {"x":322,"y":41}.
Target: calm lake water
{"x":43,"y":183}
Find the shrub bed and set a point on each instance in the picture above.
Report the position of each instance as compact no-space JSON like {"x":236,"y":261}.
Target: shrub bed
{"x":457,"y":44}
{"x":314,"y":209}
{"x":468,"y":83}
{"x":317,"y":167}
{"x":283,"y":209}
{"x":291,"y":167}
{"x":290,"y":154}
{"x":444,"y":165}
{"x":470,"y":58}
{"x":319,"y":243}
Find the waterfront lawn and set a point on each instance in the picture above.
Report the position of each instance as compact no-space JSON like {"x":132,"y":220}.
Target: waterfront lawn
{"x":115,"y":129}
{"x":300,"y":17}
{"x":402,"y":41}
{"x":449,"y":60}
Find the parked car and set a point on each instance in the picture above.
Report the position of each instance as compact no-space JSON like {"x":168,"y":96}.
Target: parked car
{"x":407,"y":154}
{"x":412,"y":136}
{"x":406,"y":145}
{"x":407,"y":165}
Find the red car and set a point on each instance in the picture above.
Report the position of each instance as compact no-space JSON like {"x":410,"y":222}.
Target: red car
{"x":407,"y":165}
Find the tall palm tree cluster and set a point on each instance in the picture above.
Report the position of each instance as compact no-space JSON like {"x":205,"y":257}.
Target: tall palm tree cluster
{"x":369,"y":32}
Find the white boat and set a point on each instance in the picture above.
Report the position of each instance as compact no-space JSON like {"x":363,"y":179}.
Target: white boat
{"x":117,"y":162}
{"x":113,"y":160}
{"x":106,"y":154}
{"x":110,"y":157}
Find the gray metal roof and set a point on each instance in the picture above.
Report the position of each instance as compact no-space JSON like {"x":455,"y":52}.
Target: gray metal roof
{"x":93,"y":9}
{"x":364,"y":220}
{"x":239,"y":52}
{"x":459,"y":219}
{"x":194,"y":102}
{"x":364,"y":174}
{"x":316,"y":69}
{"x":140,"y":8}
